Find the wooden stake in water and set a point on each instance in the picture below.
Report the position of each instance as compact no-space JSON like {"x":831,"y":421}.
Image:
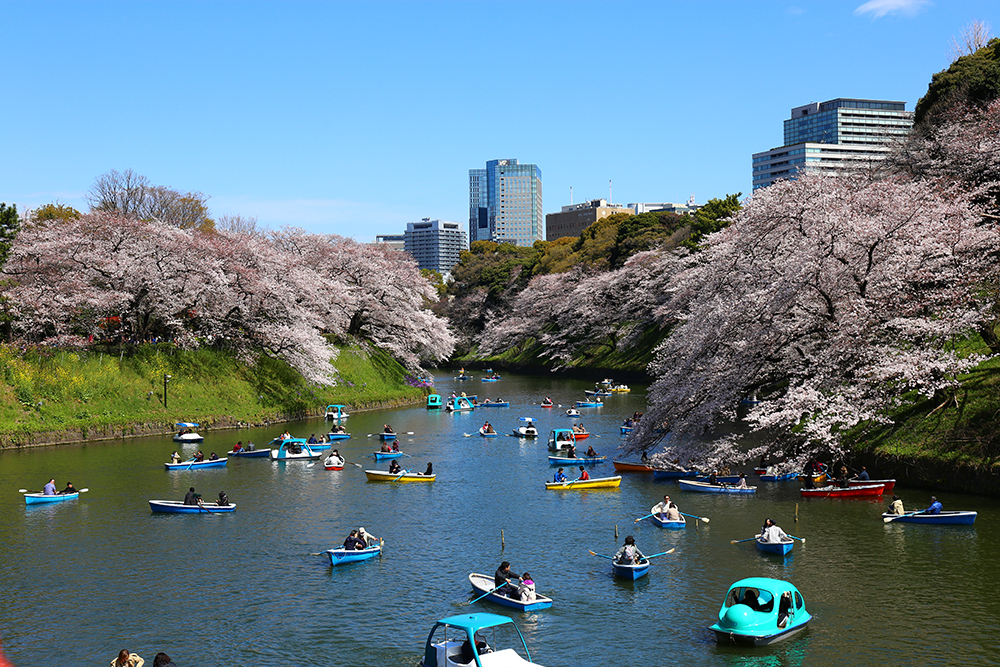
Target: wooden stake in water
{"x":616,"y":532}
{"x":501,"y":540}
{"x":796,"y":511}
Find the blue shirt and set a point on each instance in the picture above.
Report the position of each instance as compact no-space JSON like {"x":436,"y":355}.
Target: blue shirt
{"x":559,"y":477}
{"x":50,"y":489}
{"x":863,"y":476}
{"x":935,"y":508}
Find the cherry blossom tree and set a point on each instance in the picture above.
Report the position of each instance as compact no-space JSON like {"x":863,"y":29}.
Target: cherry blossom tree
{"x":844,"y":296}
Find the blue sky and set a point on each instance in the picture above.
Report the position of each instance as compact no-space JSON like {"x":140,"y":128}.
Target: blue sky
{"x":355,"y":118}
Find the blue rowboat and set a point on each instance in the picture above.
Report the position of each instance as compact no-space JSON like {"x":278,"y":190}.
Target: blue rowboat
{"x":464,"y":377}
{"x":589,"y":404}
{"x":250,"y":454}
{"x":579,"y":460}
{"x":492,"y":379}
{"x":340,"y":556}
{"x":337,"y":436}
{"x":780,"y":548}
{"x":38,"y":498}
{"x":675,"y":474}
{"x":632,"y":572}
{"x":387,"y":436}
{"x":381,"y":456}
{"x":178,"y":507}
{"x":434,"y":402}
{"x":782,"y":477}
{"x":663,"y":523}
{"x":197,"y":465}
{"x":483,"y":585}
{"x":445,"y":642}
{"x":760,"y":611}
{"x":626,"y":430}
{"x":720,"y":479}
{"x":942,"y":519}
{"x":692,"y":485}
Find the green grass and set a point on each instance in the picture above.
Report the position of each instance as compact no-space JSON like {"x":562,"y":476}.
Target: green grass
{"x":51,"y":391}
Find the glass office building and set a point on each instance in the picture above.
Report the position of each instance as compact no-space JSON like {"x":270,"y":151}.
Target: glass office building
{"x":435,"y":244}
{"x":505,"y":203}
{"x":832,"y":136}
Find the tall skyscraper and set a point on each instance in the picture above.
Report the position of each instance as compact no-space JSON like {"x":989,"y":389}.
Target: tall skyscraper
{"x":832,"y":136}
{"x":435,"y":244}
{"x":505,"y":203}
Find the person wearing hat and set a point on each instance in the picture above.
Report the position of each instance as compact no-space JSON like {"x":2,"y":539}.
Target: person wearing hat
{"x":935,"y":507}
{"x":367,"y":538}
{"x":69,"y":489}
{"x":896,"y":507}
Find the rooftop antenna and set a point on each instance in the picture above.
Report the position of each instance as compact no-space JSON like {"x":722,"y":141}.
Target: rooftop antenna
{"x":571,"y":195}
{"x":610,"y":201}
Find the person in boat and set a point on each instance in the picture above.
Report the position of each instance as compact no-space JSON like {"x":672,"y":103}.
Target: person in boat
{"x":335,"y":457}
{"x":487,"y":401}
{"x":663,"y":508}
{"x":770,"y":532}
{"x":213,"y":457}
{"x":501,"y":581}
{"x":223,"y":499}
{"x":163,"y":660}
{"x":560,"y":476}
{"x":467,"y":656}
{"x":312,"y":440}
{"x":629,"y":554}
{"x":199,"y":456}
{"x":286,"y":435}
{"x":863,"y":475}
{"x":127,"y":659}
{"x":175,"y":458}
{"x":354,"y":543}
{"x":367,"y":538}
{"x":395,"y":468}
{"x":192,"y":498}
{"x":251,"y":446}
{"x":395,"y":446}
{"x":743,"y":482}
{"x":751,"y":600}
{"x":644,"y":458}
{"x":526,"y":589}
{"x":809,"y":484}
{"x":387,"y":429}
{"x":69,"y":489}
{"x":591,"y":452}
{"x":385,"y":448}
{"x":935,"y":507}
{"x":584,"y":475}
{"x":763,"y":461}
{"x":896,"y":506}
{"x":50,"y":488}
{"x":713,"y":479}
{"x":547,"y":401}
{"x":571,"y":451}
{"x":238,"y":447}
{"x":843,"y":477}
{"x":429,"y":471}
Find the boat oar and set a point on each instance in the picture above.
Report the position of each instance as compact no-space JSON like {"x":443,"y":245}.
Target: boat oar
{"x":27,"y":491}
{"x":485,"y":594}
{"x":601,"y":555}
{"x":401,"y":475}
{"x":644,"y":517}
{"x":700,"y":518}
{"x":800,"y":539}
{"x":888,"y":519}
{"x":406,"y":455}
{"x":749,"y":539}
{"x":662,"y":554}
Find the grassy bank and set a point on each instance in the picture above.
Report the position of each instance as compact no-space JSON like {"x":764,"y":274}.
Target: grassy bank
{"x":52,"y":395}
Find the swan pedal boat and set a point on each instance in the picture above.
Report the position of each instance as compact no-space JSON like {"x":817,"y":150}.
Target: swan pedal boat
{"x":483,"y":584}
{"x":334,"y":463}
{"x":774,"y":611}
{"x":592,"y":483}
{"x":340,"y":555}
{"x":839,"y":492}
{"x":664,"y":523}
{"x":780,"y":548}
{"x":581,"y":460}
{"x":178,"y":507}
{"x":183,"y":435}
{"x":704,"y":487}
{"x":38,"y":498}
{"x":945,"y":518}
{"x":197,"y":465}
{"x":250,"y":453}
{"x":631,"y":571}
{"x":504,"y":648}
{"x":385,"y":476}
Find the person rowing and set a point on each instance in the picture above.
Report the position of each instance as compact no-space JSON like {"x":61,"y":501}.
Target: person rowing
{"x":395,"y":468}
{"x":629,"y":554}
{"x":770,"y":532}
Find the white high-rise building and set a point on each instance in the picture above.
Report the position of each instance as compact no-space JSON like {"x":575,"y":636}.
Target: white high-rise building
{"x":435,"y":244}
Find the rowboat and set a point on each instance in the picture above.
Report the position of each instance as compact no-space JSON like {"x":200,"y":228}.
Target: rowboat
{"x":384,"y":456}
{"x":444,"y":647}
{"x":527,"y":429}
{"x":721,"y":479}
{"x":319,"y":446}
{"x":626,"y":430}
{"x":341,"y":555}
{"x":572,"y":412}
{"x":178,"y":507}
{"x":703,"y":487}
{"x":487,"y":434}
{"x":38,"y":498}
{"x":250,"y":453}
{"x":561,"y":438}
{"x":620,"y":389}
{"x":579,"y":460}
{"x":464,"y":377}
{"x":291,"y":449}
{"x":626,"y":466}
{"x":779,"y":477}
{"x":494,"y":404}
{"x":334,"y":463}
{"x":942,"y":519}
{"x":594,"y":483}
{"x":760,"y":611}
{"x":483,"y":584}
{"x":580,"y":435}
{"x":589,"y":404}
{"x":660,"y":473}
{"x":596,"y":392}
{"x":491,"y":379}
{"x":780,"y":548}
{"x":818,"y":480}
{"x":664,"y":523}
{"x":849,"y":492}
{"x":434,"y":402}
{"x":196,"y":465}
{"x":405,"y":476}
{"x":759,"y":471}
{"x":333,"y":436}
{"x":386,"y":436}
{"x":550,"y":404}
{"x":889,"y":484}
{"x":631,"y":571}
{"x":184,"y":435}
{"x":336,"y":412}
{"x":459,"y":404}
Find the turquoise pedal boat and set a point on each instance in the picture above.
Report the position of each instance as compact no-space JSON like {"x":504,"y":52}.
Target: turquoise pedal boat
{"x":758,"y":611}
{"x":434,"y":402}
{"x":490,"y":640}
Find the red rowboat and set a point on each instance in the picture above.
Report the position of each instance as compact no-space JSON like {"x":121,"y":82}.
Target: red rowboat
{"x":625,"y":466}
{"x":889,"y":484}
{"x":580,"y":436}
{"x":849,"y":492}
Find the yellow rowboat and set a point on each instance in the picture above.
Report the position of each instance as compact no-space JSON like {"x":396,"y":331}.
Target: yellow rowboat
{"x":383,"y":476}
{"x":595,"y":483}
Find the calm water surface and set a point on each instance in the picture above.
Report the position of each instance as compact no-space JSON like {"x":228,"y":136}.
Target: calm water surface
{"x":82,"y":579}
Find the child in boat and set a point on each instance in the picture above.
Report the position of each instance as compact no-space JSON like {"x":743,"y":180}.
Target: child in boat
{"x":526,"y":589}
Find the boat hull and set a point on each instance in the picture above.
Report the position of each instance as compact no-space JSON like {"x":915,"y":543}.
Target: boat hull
{"x":188,"y":437}
{"x":850,"y":492}
{"x":675,"y":474}
{"x":334,"y":463}
{"x":626,"y":430}
{"x":504,"y":404}
{"x":41,"y":498}
{"x":942,"y":519}
{"x":196,"y":465}
{"x":488,"y":435}
{"x":386,"y":436}
{"x":625,"y":466}
{"x":178,"y":507}
{"x":701,"y":487}
{"x":332,"y":437}
{"x":631,"y":572}
{"x":723,"y":637}
{"x":596,"y":483}
{"x":383,"y":476}
{"x":784,"y":477}
{"x":581,"y":460}
{"x":255,"y":454}
{"x":342,"y":556}
{"x":889,"y":484}
{"x":780,"y":548}
{"x":382,"y":456}
{"x":663,"y":523}
{"x":483,"y":584}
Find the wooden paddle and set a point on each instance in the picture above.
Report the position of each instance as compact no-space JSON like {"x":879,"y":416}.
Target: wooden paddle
{"x":749,"y":539}
{"x":889,"y":519}
{"x":700,"y":518}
